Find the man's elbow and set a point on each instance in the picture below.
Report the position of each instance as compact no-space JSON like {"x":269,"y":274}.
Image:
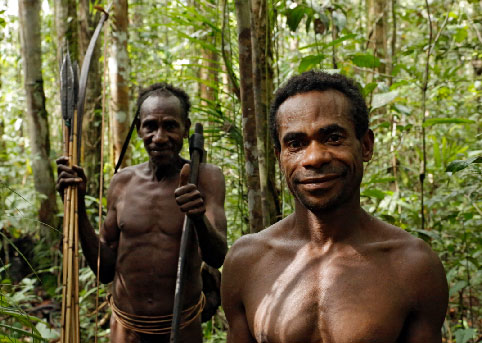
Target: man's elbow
{"x":216,"y":260}
{"x":106,"y":276}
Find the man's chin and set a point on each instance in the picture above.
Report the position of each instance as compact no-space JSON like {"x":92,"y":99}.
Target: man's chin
{"x":162,"y":160}
{"x":321,"y":202}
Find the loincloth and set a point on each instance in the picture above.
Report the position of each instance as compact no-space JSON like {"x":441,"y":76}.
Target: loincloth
{"x":156,"y":325}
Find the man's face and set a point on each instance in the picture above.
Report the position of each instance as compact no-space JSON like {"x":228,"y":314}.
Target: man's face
{"x":162,"y":128}
{"x":320,"y":155}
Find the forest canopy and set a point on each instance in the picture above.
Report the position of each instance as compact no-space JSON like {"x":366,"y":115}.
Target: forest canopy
{"x":418,"y":64}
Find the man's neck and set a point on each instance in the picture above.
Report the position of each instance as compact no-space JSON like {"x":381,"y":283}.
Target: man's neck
{"x":161,"y":172}
{"x":331,"y":226}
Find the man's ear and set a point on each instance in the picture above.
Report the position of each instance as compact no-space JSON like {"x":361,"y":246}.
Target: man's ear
{"x":367,"y":141}
{"x":187,"y":125}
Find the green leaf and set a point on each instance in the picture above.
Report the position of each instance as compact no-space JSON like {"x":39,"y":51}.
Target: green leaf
{"x":342,"y":39}
{"x":459,"y":285}
{"x":310,"y":61}
{"x":46,"y":332}
{"x":369,"y":87}
{"x":464,"y":335}
{"x":365,"y":60}
{"x":22,"y":332}
{"x":461,"y":34}
{"x":402,"y":109}
{"x":434,"y":121}
{"x":294,"y":17}
{"x":431,"y":234}
{"x":459,"y":165}
{"x":373,"y":193}
{"x":382,"y":99}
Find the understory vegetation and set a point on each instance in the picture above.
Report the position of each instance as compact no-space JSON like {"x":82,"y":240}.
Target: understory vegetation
{"x":422,"y":80}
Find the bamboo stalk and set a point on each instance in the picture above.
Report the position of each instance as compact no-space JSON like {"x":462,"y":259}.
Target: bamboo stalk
{"x":76,"y":269}
{"x":64,"y":237}
{"x":70,"y":277}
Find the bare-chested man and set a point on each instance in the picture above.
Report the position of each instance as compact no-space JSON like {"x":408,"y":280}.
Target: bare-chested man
{"x":142,"y":230}
{"x":329,"y":272}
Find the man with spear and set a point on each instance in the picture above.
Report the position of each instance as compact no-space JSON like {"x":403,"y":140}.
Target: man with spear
{"x":140,"y":239}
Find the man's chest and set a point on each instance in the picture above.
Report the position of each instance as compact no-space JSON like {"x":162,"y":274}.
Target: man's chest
{"x":327,"y":302}
{"x":149,"y":208}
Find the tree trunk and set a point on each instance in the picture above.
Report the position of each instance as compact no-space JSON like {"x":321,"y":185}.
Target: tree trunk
{"x":249,"y":122}
{"x":377,"y":29}
{"x":91,"y":126}
{"x":208,"y":75}
{"x":29,"y":16}
{"x":66,"y":28}
{"x":262,"y":89}
{"x":119,"y":78}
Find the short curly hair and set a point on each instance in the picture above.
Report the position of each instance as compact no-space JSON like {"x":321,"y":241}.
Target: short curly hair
{"x":315,"y":80}
{"x":164,"y":89}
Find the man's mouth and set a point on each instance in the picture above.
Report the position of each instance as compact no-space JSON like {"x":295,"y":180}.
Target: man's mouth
{"x":318,"y":179}
{"x":159,"y":151}
{"x":318,"y":182}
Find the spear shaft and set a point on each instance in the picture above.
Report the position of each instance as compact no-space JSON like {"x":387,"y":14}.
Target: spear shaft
{"x":196,"y":146}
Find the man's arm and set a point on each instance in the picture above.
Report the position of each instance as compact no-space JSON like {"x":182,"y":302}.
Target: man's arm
{"x":89,"y":241}
{"x":205,"y":206}
{"x":424,"y":323}
{"x":232,"y":281}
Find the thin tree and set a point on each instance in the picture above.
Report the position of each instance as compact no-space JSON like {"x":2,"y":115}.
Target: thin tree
{"x":119,"y":78}
{"x":66,"y":27}
{"x":90,"y":156}
{"x":262,"y":89}
{"x":249,"y":121}
{"x":29,"y":16}
{"x":377,"y":29}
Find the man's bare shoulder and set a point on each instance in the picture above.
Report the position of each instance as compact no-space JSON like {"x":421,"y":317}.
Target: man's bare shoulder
{"x":211,"y":179}
{"x":121,"y":179}
{"x":414,"y":258}
{"x":402,"y":242}
{"x":208,"y":171}
{"x":127,"y":174}
{"x":249,"y":249}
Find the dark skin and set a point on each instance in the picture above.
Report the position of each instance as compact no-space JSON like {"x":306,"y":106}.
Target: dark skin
{"x":146,"y":206}
{"x":330,"y":272}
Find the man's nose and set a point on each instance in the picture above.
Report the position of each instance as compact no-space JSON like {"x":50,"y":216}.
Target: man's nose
{"x":159,"y":136}
{"x":316,"y":155}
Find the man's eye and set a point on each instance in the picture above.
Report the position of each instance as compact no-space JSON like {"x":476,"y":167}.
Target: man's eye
{"x":148,"y":126}
{"x":294,"y":144}
{"x":170,"y":126}
{"x":334,"y":138}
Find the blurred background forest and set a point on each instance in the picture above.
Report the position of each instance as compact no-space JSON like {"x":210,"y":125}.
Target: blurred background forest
{"x":419,"y":64}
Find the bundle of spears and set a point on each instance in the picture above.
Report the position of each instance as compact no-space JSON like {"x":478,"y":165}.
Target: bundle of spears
{"x":72,"y":99}
{"x":70,"y":248}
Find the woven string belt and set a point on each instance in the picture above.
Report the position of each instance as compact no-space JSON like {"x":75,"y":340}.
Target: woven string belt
{"x":156,"y":325}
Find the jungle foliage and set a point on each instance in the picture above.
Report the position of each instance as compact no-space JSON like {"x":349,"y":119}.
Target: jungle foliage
{"x":422,"y":81}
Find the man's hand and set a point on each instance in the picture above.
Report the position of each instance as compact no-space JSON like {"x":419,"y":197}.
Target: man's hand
{"x":70,"y":176}
{"x":188,"y":197}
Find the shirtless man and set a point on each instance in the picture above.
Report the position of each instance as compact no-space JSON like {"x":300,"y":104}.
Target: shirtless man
{"x":142,"y":230}
{"x":329,"y":272}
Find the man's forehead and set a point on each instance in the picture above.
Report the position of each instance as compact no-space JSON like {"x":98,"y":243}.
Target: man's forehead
{"x":165,"y":104}
{"x":325,"y":99}
{"x":329,"y":103}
